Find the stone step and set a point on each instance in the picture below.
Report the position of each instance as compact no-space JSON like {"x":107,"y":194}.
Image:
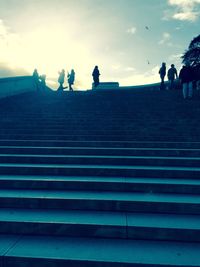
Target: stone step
{"x":100,"y":160}
{"x":66,"y":114}
{"x":39,"y":149}
{"x":100,"y":170}
{"x":79,"y":131}
{"x":102,"y":144}
{"x":101,"y":201}
{"x":148,"y":185}
{"x":100,"y":224}
{"x":110,"y":122}
{"x":87,"y":252}
{"x":88,"y":137}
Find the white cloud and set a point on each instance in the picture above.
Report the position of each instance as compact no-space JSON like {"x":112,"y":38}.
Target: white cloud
{"x":184,"y":2}
{"x":148,"y":77}
{"x":165,"y":38}
{"x":129,"y":69}
{"x":3,"y":29}
{"x":116,"y":66}
{"x":175,"y":57}
{"x":188,"y":10}
{"x":131,"y":30}
{"x":20,"y":54}
{"x":190,"y":16}
{"x":10,"y":50}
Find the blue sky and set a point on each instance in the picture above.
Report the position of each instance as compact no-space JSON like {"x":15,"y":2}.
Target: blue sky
{"x":127,"y":39}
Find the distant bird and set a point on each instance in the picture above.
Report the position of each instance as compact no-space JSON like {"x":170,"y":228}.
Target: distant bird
{"x":146,"y":27}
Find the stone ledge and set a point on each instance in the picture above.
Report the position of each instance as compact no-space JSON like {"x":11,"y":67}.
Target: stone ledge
{"x":106,"y":85}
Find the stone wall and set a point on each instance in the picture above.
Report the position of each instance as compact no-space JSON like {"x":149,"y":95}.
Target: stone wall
{"x":16,"y":85}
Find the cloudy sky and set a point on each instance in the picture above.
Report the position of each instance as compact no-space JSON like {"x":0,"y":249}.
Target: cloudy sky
{"x":127,"y":39}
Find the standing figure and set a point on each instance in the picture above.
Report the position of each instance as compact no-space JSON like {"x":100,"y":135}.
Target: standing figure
{"x":197,"y":76}
{"x":162,"y":73}
{"x":186,"y":77}
{"x":172,"y":74}
{"x":61,"y":79}
{"x":43,"y":81}
{"x":96,"y":75}
{"x":71,"y":79}
{"x":36,"y":79}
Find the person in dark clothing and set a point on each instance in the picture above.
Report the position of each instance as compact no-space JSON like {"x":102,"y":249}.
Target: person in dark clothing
{"x":36,"y":79}
{"x":61,"y":79}
{"x":186,"y":77}
{"x":43,"y":81}
{"x":96,"y":75}
{"x":71,"y":78}
{"x":172,"y":74}
{"x":197,"y":76}
{"x":162,"y":73}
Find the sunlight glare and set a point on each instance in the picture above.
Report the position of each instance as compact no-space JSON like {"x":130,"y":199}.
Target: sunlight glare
{"x":50,"y":50}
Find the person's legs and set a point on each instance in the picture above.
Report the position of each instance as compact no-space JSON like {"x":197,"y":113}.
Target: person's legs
{"x":190,"y":89}
{"x":96,"y":81}
{"x":162,"y":84}
{"x":171,"y":84}
{"x":198,"y":85}
{"x":185,"y":93}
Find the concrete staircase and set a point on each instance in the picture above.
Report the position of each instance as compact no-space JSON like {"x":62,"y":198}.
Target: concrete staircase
{"x":100,"y":179}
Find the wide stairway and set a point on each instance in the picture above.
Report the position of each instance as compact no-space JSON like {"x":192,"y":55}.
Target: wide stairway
{"x":100,"y":179}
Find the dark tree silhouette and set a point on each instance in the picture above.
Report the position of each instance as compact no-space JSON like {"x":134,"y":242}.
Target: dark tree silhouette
{"x":192,"y":54}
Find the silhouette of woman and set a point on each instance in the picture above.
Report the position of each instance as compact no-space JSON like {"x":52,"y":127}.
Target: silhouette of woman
{"x":162,"y":73}
{"x":61,"y":79}
{"x":71,"y":78}
{"x":96,"y":75}
{"x":36,"y":79}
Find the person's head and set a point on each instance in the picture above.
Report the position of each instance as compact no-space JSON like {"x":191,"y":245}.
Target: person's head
{"x":163,"y":64}
{"x":172,"y":65}
{"x":96,"y":67}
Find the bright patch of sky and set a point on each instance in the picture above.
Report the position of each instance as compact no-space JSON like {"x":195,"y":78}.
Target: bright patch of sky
{"x":127,"y":39}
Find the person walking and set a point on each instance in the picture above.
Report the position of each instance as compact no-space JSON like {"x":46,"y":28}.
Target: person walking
{"x":172,"y":75}
{"x":43,"y":81}
{"x":197,"y":76}
{"x":96,"y":75}
{"x":162,"y":72}
{"x":186,"y":77}
{"x":61,"y":79}
{"x":71,"y":79}
{"x":36,"y":79}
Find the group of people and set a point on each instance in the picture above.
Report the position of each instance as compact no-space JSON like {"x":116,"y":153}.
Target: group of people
{"x":70,"y":77}
{"x":171,"y":74}
{"x":188,"y":78}
{"x":40,"y":80}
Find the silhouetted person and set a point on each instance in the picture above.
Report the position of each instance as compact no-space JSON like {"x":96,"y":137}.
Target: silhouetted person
{"x":186,"y":77}
{"x":197,"y":76}
{"x":71,"y":79}
{"x":172,"y":75}
{"x":162,"y":73}
{"x":43,"y":81}
{"x":36,"y":79}
{"x":61,"y":79}
{"x":96,"y":75}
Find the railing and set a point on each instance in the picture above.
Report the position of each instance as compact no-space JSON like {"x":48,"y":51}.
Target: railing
{"x":16,"y":85}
